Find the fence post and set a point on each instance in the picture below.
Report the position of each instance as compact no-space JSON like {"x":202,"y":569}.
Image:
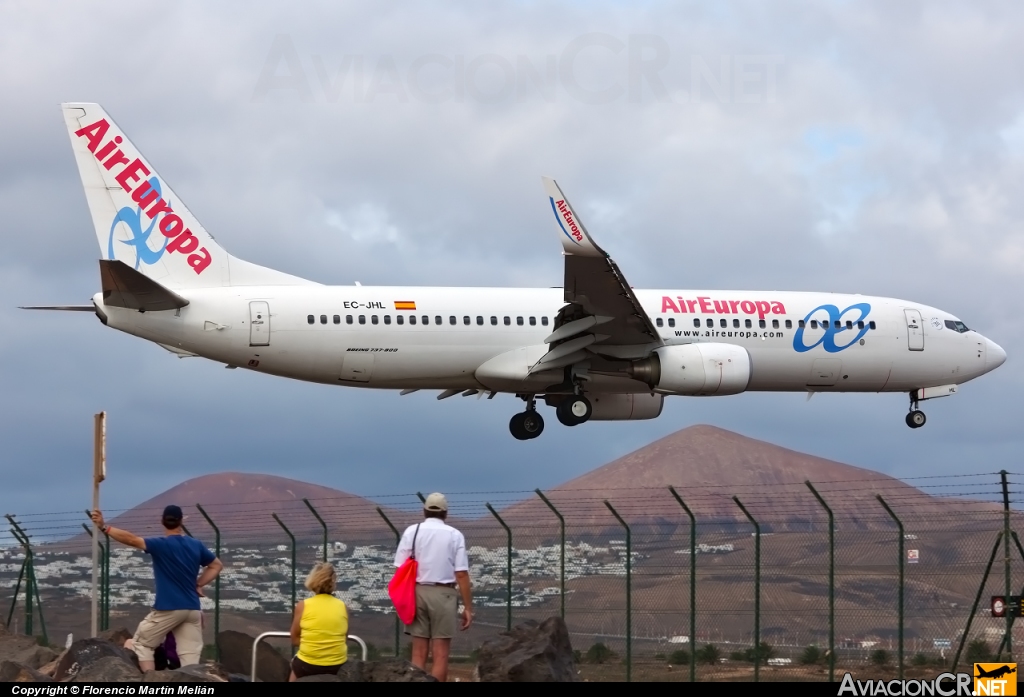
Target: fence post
{"x":104,"y":616}
{"x":188,"y":532}
{"x":899,"y":523}
{"x":321,"y":521}
{"x":31,"y":586}
{"x":831,"y":582}
{"x":757,"y":589}
{"x":398,"y":540}
{"x":216,"y":581}
{"x":561,"y":560}
{"x":508,"y":568}
{"x":1008,"y":640}
{"x":292,"y":537}
{"x":17,"y":586}
{"x":977,"y":599}
{"x":629,"y":592}
{"x":106,"y":581}
{"x":423,"y":499}
{"x":693,"y":584}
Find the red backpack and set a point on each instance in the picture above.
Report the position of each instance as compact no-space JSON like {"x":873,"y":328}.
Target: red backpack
{"x":402,"y":587}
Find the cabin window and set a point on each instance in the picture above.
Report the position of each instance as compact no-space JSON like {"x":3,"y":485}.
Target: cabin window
{"x":337,"y":319}
{"x":310,"y":319}
{"x":748,"y":324}
{"x":323,"y":319}
{"x":775,"y":324}
{"x":839,"y":325}
{"x":519,"y":321}
{"x":466,"y":320}
{"x":723,"y":323}
{"x":814,"y":324}
{"x":533,"y":321}
{"x":412,"y":319}
{"x":860,"y":325}
{"x":735,"y":324}
{"x":658,"y":322}
{"x":437,"y":319}
{"x":801,"y":324}
{"x":849,"y":324}
{"x":710,"y":322}
{"x":544,"y":321}
{"x":399,"y":319}
{"x":671,"y":321}
{"x":426,"y":319}
{"x":508,"y":321}
{"x":374,"y":319}
{"x":872,"y":324}
{"x":789,"y":324}
{"x":362,"y":319}
{"x":387,"y":319}
{"x":479,"y":321}
{"x":452,"y":320}
{"x":696,"y":322}
{"x":761,"y":323}
{"x":494,"y":321}
{"x":348,"y":319}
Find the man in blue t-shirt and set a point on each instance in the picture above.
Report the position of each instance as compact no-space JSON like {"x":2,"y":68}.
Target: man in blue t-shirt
{"x":177,"y":559}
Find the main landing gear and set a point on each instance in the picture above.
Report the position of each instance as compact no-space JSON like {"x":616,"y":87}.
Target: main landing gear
{"x":916,"y":417}
{"x":528,"y":424}
{"x":574,"y":410}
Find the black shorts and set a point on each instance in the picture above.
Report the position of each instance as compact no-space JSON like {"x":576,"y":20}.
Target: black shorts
{"x":302,"y":669}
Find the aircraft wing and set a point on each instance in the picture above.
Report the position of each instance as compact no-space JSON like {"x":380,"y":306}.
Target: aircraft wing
{"x":596,"y":292}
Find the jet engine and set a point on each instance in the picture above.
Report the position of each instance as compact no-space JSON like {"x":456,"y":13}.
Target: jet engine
{"x":626,"y":407}
{"x":695,"y":369}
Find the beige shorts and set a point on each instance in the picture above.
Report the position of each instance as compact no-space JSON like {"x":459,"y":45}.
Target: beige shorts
{"x":185,"y":625}
{"x":436,"y":609}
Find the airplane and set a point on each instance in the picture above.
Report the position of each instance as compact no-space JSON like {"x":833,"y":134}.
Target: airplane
{"x":596,"y":349}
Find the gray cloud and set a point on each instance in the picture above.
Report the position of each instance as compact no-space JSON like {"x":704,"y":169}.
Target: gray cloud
{"x":886,"y":160}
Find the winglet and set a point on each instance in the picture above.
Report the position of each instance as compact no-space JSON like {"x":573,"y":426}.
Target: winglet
{"x":575,"y":238}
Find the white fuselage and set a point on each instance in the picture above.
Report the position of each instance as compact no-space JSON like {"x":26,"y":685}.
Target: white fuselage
{"x":354,"y":338}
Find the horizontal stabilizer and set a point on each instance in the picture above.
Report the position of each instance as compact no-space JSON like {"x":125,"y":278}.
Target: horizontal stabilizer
{"x":123,"y":286}
{"x":61,"y":308}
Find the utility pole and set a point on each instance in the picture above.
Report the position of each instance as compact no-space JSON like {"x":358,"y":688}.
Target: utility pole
{"x":99,"y":473}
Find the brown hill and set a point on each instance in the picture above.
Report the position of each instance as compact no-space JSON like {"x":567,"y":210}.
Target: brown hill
{"x":708,"y":466}
{"x":242,"y":505}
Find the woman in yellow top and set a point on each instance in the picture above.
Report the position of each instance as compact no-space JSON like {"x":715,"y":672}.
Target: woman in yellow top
{"x":319,"y":627}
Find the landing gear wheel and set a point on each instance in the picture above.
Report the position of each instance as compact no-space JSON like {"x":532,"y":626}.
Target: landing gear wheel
{"x":574,"y":410}
{"x":916,"y":419}
{"x":526,"y":425}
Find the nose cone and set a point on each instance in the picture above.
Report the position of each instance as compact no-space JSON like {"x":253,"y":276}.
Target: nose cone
{"x":995,"y":356}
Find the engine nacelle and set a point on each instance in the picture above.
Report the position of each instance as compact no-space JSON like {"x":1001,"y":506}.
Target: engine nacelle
{"x":626,"y":407}
{"x":696,"y":369}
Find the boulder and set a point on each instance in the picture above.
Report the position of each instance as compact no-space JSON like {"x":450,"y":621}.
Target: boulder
{"x":15,"y":672}
{"x":384,"y":670}
{"x":235,"y":656}
{"x":320,"y":678}
{"x":108,"y":669}
{"x":115,"y":636}
{"x":12,"y":645}
{"x":529,"y":652}
{"x":204,"y":672}
{"x":34,"y":656}
{"x":85,"y":652}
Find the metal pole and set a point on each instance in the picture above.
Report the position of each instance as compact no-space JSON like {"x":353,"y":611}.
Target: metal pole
{"x":757,"y":589}
{"x":292,"y":537}
{"x":561,"y":560}
{"x":831,"y":583}
{"x":1006,"y":563}
{"x":26,"y":571}
{"x":902,"y":562}
{"x":629,"y":592}
{"x":99,"y":470}
{"x":693,"y":585}
{"x":106,"y":582}
{"x":322,"y":523}
{"x":423,"y":499}
{"x":1002,"y":644}
{"x":977,"y":599}
{"x":17,"y":587}
{"x":398,"y":540}
{"x":508,"y":568}
{"x":31,"y":585}
{"x":216,"y":581}
{"x":185,"y":529}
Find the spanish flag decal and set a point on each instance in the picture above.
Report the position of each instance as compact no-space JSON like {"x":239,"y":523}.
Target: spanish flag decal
{"x":405,"y":304}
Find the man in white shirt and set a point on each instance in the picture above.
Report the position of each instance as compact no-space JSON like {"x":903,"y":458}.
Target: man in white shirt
{"x":442,"y":566}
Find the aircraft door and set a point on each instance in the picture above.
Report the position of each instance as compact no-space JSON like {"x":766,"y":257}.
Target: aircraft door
{"x":357,"y":366}
{"x":259,"y":323}
{"x":915,"y":330}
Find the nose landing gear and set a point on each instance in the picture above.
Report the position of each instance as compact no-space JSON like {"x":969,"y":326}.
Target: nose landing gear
{"x":916,"y":417}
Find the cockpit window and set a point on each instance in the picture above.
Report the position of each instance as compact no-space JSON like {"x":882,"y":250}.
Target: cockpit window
{"x":957,"y":326}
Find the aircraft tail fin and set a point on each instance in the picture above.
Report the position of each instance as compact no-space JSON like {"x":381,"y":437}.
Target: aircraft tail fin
{"x":138,"y":218}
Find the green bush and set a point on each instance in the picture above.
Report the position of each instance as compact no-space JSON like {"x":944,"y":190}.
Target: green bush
{"x":920,"y":659}
{"x":811,"y":656}
{"x":738,"y":656}
{"x":879,"y":657}
{"x":978,"y":651}
{"x":679,"y":657}
{"x":709,"y":654}
{"x":599,"y":653}
{"x":762,"y":653}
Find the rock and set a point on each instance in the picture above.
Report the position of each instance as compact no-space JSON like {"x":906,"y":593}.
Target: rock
{"x":108,"y":669}
{"x":204,"y":672}
{"x":237,"y":677}
{"x":235,"y":652}
{"x":530,"y":652}
{"x":384,"y":670}
{"x":320,"y":678}
{"x":116,"y":636}
{"x":15,"y":672}
{"x":49,"y":669}
{"x":86,"y":652}
{"x":12,"y":645}
{"x":34,"y":656}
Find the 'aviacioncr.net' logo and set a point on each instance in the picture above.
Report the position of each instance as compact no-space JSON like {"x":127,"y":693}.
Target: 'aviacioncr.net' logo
{"x":995,"y":678}
{"x":831,"y":328}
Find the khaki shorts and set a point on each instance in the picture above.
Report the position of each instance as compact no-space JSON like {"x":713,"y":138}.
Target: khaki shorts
{"x":436,"y":608}
{"x":186,"y":626}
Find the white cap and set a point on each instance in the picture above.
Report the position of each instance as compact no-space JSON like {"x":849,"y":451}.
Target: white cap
{"x":435,"y":502}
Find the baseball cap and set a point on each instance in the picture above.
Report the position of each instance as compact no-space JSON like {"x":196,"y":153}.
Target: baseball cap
{"x":436,"y":502}
{"x":173,"y":511}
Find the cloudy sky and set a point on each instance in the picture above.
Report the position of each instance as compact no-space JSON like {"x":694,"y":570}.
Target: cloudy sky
{"x":869,"y":147}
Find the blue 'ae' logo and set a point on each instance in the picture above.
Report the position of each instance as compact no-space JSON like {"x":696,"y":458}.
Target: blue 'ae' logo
{"x":833,"y":328}
{"x":132,"y":217}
